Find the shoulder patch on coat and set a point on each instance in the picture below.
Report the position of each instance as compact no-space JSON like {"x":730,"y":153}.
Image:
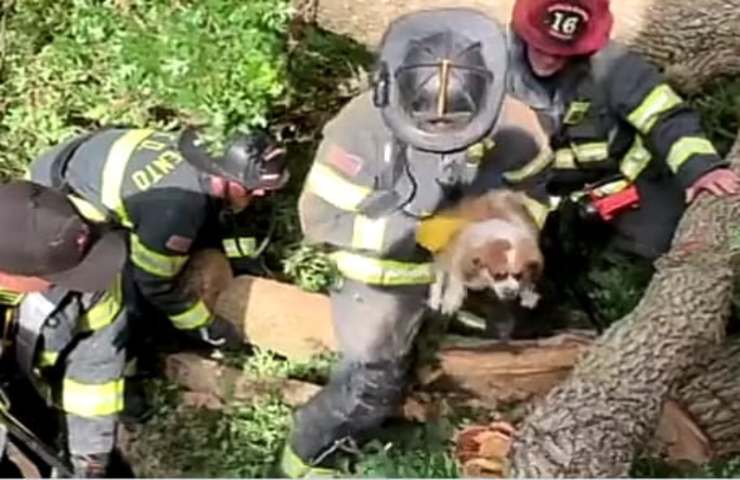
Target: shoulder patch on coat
{"x":344,"y":161}
{"x":178,"y":243}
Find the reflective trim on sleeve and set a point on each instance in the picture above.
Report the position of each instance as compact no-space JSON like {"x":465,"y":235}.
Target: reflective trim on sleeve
{"x":105,"y":311}
{"x":661,"y":99}
{"x":240,"y":247}
{"x":635,"y":160}
{"x":194,"y":317}
{"x":48,"y":358}
{"x":686,"y":147}
{"x":591,"y":152}
{"x":159,"y":264}
{"x":335,"y":189}
{"x":537,"y":165}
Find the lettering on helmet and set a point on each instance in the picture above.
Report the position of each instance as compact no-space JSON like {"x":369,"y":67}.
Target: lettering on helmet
{"x":566,"y":21}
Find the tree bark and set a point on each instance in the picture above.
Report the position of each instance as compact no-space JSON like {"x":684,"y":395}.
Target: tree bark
{"x":694,"y":41}
{"x":593,"y":424}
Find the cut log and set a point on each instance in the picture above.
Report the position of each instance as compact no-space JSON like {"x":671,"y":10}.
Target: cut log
{"x":695,"y":41}
{"x":209,"y":377}
{"x":278,"y":316}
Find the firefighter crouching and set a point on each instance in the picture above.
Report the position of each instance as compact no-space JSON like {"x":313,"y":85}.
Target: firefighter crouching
{"x":626,"y":146}
{"x":63,"y":314}
{"x":392,"y":157}
{"x":169,"y":194}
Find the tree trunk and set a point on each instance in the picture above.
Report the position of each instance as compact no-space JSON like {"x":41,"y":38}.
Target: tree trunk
{"x":695,"y":41}
{"x":593,"y":424}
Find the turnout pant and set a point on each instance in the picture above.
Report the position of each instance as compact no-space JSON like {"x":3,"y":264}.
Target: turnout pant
{"x":376,"y":327}
{"x":82,"y":348}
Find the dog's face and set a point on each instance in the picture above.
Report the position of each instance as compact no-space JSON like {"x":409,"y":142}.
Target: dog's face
{"x":503,"y":266}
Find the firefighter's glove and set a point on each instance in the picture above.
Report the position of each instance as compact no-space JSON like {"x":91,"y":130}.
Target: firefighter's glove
{"x":435,"y":232}
{"x":220,"y":333}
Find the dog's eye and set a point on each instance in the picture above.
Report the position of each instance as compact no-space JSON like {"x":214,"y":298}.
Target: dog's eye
{"x":477,"y":262}
{"x":517,"y":275}
{"x":499,"y":276}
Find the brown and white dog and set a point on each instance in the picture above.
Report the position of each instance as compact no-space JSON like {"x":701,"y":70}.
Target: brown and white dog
{"x":498,"y":249}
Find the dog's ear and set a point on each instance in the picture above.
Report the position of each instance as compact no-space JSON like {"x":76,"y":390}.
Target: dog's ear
{"x":532,"y":270}
{"x":528,"y":261}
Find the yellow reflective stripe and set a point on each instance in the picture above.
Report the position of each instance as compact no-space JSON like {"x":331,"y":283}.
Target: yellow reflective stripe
{"x":591,"y":152}
{"x":382,"y":272}
{"x":611,"y":188}
{"x":105,"y":311}
{"x":114,"y":169}
{"x":48,"y":358}
{"x":10,"y":298}
{"x":537,"y":165}
{"x":538,"y":210}
{"x":159,"y":264}
{"x":565,"y":159}
{"x":368,"y":233}
{"x":661,"y":99}
{"x":87,"y":209}
{"x":194,"y":317}
{"x":92,"y":400}
{"x":685,"y":148}
{"x":635,"y":160}
{"x":335,"y":189}
{"x":240,"y":247}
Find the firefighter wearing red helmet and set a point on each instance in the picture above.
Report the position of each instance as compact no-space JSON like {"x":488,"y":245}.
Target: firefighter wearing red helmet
{"x":621,"y":137}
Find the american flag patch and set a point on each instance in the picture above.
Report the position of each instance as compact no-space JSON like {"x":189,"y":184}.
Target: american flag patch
{"x":345,"y":162}
{"x":178,"y":243}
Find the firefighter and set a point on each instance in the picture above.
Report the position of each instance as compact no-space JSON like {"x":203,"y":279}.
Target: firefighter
{"x":63,"y":314}
{"x":169,"y":193}
{"x":627,"y":148}
{"x":394,"y":155}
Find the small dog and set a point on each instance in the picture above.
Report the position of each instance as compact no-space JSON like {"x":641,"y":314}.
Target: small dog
{"x":497,"y":249}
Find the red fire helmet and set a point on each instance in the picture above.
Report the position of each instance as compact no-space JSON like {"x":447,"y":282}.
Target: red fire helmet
{"x":563,"y":27}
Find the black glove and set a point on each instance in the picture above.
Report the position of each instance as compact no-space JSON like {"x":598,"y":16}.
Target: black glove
{"x":220,"y":333}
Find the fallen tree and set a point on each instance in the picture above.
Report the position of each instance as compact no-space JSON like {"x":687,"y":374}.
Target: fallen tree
{"x":697,"y":417}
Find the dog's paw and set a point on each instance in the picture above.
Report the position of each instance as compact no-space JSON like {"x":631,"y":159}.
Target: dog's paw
{"x":453,"y":297}
{"x":435,"y":293}
{"x":529,"y":298}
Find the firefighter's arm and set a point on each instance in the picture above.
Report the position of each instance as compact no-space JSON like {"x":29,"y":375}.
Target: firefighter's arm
{"x":340,"y":205}
{"x":641,"y":96}
{"x":160,"y":247}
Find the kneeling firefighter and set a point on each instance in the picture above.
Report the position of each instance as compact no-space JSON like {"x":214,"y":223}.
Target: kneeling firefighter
{"x":63,"y":314}
{"x":170,"y":195}
{"x":392,"y":157}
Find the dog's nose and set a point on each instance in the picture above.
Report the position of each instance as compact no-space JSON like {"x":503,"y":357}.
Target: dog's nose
{"x":509,"y":293}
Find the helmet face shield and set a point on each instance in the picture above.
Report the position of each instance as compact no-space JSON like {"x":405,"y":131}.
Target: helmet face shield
{"x":446,"y":87}
{"x":445,"y":94}
{"x":254,"y":160}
